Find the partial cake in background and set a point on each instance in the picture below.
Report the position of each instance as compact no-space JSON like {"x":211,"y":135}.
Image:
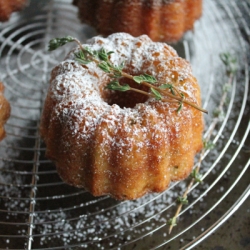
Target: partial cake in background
{"x":4,"y":111}
{"x":161,"y":20}
{"x":7,"y":7}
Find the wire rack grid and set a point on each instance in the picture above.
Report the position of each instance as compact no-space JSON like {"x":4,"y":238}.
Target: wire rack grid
{"x":39,"y":211}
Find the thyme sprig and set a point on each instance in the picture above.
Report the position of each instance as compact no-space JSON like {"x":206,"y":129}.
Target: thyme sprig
{"x":165,"y":92}
{"x":230,"y":62}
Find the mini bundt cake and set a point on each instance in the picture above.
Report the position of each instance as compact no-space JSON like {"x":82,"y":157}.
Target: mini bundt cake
{"x":9,"y":6}
{"x":161,"y":20}
{"x":122,"y":144}
{"x":4,"y":111}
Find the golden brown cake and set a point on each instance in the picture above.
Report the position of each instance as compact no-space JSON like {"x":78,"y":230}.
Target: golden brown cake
{"x":161,"y":20}
{"x":9,"y":6}
{"x":4,"y":111}
{"x":122,"y":144}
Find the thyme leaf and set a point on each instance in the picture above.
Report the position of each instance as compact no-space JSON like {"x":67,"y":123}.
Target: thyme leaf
{"x":208,"y":144}
{"x":168,"y":86}
{"x":156,"y":93}
{"x":182,"y":200}
{"x":58,"y":42}
{"x":115,"y":85}
{"x":219,"y":113}
{"x":230,"y":62}
{"x":145,"y":78}
{"x":103,"y":55}
{"x":105,"y":67}
{"x":196,"y":175}
{"x":90,"y":52}
{"x":80,"y":58}
{"x":180,"y":107}
{"x":172,"y":222}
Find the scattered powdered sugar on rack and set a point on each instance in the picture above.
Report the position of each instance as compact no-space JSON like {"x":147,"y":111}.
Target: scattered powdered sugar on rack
{"x":125,"y":221}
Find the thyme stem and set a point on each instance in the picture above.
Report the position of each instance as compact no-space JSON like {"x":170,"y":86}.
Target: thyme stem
{"x":231,"y":71}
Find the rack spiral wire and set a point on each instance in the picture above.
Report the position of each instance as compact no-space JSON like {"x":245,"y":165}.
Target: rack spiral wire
{"x":39,"y":211}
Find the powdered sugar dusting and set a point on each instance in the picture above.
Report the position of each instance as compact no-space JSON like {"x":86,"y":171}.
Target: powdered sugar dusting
{"x":119,"y":134}
{"x":78,"y":89}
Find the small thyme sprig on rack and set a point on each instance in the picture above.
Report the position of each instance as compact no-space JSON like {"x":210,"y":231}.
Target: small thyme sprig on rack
{"x":230,"y":63}
{"x":165,"y":92}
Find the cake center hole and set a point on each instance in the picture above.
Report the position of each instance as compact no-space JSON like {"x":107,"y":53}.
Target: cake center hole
{"x":127,"y":99}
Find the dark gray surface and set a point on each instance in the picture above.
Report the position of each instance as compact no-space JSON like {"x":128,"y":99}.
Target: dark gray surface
{"x":234,"y":234}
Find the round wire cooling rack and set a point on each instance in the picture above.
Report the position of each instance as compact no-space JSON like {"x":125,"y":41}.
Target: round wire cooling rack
{"x":39,"y":211}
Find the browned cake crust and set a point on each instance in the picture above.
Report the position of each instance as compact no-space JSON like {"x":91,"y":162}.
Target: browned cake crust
{"x":4,"y":111}
{"x":9,"y":6}
{"x":121,"y":144}
{"x":161,"y":20}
